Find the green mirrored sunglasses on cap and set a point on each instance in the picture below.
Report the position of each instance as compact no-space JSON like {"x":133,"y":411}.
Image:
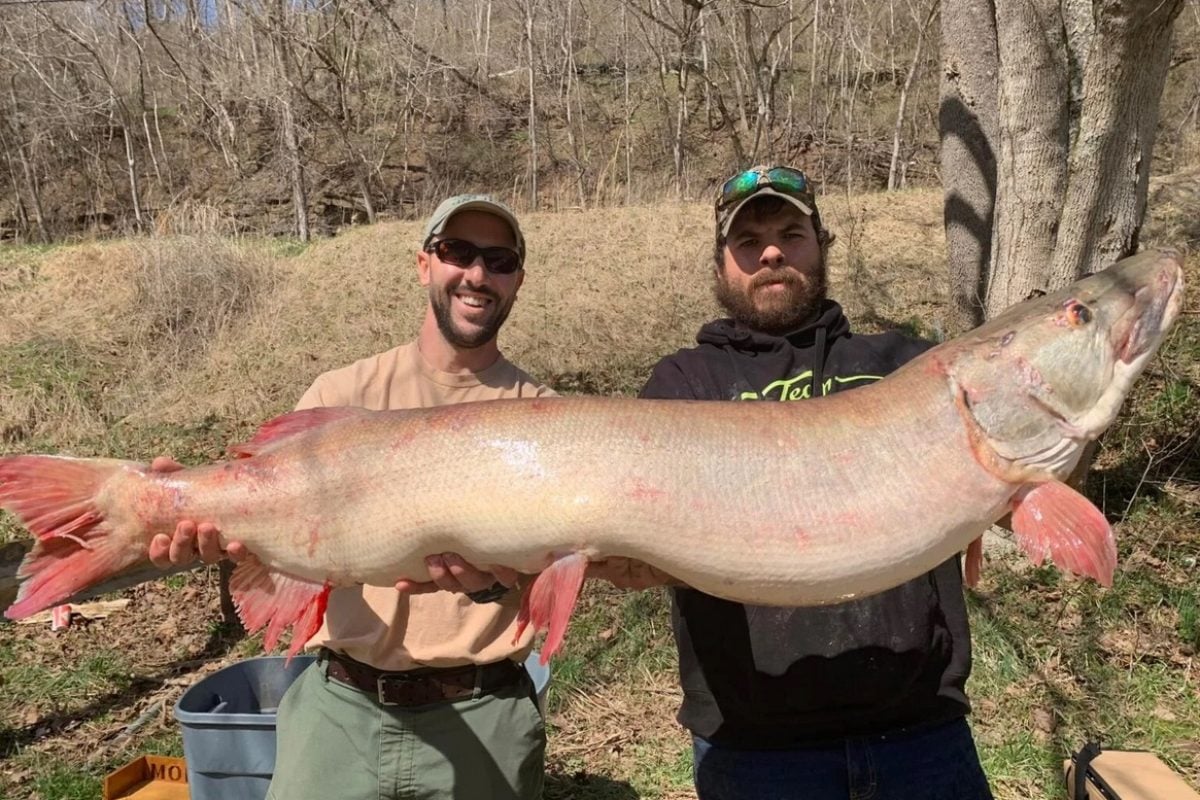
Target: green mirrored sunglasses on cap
{"x":782,"y":179}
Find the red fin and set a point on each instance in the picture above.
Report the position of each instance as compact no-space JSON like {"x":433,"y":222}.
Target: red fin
{"x":289,"y":424}
{"x":55,"y":499}
{"x":1054,"y":517}
{"x":974,"y":562}
{"x":548,"y":603}
{"x":278,"y":601}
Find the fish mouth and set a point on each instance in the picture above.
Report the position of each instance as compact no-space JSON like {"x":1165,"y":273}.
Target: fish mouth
{"x":1155,"y":307}
{"x":1069,"y":429}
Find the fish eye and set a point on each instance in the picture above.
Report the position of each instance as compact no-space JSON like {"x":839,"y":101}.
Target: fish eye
{"x":1077,"y":313}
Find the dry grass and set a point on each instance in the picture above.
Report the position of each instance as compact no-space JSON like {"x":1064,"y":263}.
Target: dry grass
{"x":95,"y":335}
{"x":198,"y":326}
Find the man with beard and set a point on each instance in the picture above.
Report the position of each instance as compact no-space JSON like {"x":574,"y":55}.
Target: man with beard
{"x":860,"y":699}
{"x":417,"y":692}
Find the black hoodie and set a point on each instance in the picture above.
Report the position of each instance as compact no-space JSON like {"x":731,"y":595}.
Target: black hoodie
{"x":763,"y":677}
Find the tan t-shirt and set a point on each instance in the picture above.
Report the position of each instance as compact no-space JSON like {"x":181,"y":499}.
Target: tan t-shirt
{"x":377,"y":625}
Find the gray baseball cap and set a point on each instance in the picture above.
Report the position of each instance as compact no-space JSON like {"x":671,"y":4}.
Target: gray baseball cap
{"x":472,"y":202}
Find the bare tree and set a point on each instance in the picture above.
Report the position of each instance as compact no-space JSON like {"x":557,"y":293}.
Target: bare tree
{"x":356,"y":109}
{"x":760,"y":42}
{"x":278,"y":24}
{"x":895,"y":172}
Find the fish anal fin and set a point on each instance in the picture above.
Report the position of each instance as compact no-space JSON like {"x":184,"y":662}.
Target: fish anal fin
{"x":974,"y":562}
{"x":290,"y":424}
{"x":547,"y":604}
{"x":1053,"y":518}
{"x":278,"y":601}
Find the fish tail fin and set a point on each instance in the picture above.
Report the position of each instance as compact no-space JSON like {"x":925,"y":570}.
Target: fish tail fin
{"x":1053,"y":518}
{"x":278,"y":601}
{"x":55,"y":499}
{"x":547,"y":604}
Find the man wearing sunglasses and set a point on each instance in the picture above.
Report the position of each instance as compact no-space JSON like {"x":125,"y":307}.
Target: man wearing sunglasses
{"x":861,"y":699}
{"x":417,"y":692}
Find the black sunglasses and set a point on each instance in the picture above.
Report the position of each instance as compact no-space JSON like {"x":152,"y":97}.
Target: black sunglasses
{"x":461,"y":253}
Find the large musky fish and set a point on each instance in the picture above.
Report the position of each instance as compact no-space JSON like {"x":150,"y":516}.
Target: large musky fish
{"x":764,"y":503}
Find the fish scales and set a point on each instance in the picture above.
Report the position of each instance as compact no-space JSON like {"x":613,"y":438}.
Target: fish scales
{"x":609,"y":477}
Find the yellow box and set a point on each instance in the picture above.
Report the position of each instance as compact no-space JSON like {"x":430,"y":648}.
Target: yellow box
{"x":148,"y":778}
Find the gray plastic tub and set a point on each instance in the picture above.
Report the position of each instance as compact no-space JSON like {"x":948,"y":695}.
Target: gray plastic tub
{"x":228,"y":722}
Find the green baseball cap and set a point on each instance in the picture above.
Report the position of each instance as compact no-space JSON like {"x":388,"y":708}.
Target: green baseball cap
{"x":472,"y":202}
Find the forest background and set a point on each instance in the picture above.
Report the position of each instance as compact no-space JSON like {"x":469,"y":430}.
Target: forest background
{"x":300,"y":117}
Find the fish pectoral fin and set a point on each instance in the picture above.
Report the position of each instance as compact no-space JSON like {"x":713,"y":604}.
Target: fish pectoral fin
{"x":974,"y":562}
{"x":279,"y":601}
{"x":1052,"y":517}
{"x":290,"y":424}
{"x":549,"y":601}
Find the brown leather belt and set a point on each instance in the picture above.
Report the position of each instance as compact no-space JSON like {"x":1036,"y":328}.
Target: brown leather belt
{"x":423,"y":686}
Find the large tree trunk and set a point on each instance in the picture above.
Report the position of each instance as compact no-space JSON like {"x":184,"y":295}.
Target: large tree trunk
{"x":1033,"y":148}
{"x":967,"y":125}
{"x":1123,"y":77}
{"x":1077,"y":107}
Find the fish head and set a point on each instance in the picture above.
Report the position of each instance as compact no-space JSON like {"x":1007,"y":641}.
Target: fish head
{"x":1044,"y":377}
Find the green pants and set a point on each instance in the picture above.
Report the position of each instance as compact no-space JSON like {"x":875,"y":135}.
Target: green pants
{"x":334,"y":741}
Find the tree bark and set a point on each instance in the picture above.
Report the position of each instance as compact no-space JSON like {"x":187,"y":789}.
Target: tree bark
{"x":280,"y":40}
{"x":1033,"y":148}
{"x":1077,"y":109}
{"x":18,"y":202}
{"x":1123,"y":77}
{"x":131,"y":170}
{"x":31,"y":188}
{"x":967,"y":126}
{"x":627,"y":109}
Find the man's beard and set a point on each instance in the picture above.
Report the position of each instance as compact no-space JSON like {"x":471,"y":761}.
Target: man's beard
{"x":440,"y":300}
{"x":779,"y":313}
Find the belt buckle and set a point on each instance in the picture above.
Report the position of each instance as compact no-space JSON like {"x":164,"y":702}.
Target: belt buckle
{"x":387,"y":677}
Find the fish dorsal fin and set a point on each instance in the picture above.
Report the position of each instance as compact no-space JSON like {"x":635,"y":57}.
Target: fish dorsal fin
{"x":1053,"y":518}
{"x":285,"y":425}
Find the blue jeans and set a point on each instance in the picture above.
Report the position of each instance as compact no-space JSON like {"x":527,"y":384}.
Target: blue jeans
{"x":937,"y":763}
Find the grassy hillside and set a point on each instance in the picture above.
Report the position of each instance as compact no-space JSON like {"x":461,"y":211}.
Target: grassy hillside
{"x":181,"y":345}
